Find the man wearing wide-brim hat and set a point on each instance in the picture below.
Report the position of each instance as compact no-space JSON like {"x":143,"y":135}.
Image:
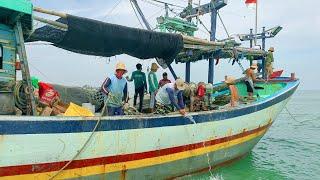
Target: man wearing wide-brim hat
{"x":116,"y":89}
{"x":170,"y":96}
{"x":153,"y":84}
{"x":269,"y":61}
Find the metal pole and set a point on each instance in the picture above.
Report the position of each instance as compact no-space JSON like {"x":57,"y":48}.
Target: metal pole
{"x":212,"y":38}
{"x":141,"y":15}
{"x":256,"y":26}
{"x":251,"y":38}
{"x":188,"y":65}
{"x":172,"y":71}
{"x":188,"y":69}
{"x":167,"y":9}
{"x":264,"y":73}
{"x":251,"y":42}
{"x":263,"y":38}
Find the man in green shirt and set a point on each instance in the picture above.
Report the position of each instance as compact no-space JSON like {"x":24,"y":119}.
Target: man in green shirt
{"x":269,"y":61}
{"x":153,"y":84}
{"x":140,"y":85}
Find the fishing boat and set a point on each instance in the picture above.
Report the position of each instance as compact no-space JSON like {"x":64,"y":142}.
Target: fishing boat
{"x":124,"y":147}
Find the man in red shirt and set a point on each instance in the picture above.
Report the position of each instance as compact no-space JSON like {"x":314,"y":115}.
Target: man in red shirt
{"x":165,"y":80}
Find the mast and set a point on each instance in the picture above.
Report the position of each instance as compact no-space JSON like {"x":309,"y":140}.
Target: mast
{"x":212,"y":38}
{"x":188,"y":64}
{"x":256,"y":24}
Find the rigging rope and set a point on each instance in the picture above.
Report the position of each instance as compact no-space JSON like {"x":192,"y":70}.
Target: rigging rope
{"x":113,"y":8}
{"x":205,"y":27}
{"x":224,"y":27}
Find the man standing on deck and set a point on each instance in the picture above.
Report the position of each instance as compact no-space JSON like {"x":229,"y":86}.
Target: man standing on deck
{"x":153,"y":84}
{"x":116,"y":89}
{"x":269,"y":61}
{"x":140,"y":85}
{"x":164,"y":80}
{"x":170,"y":96}
{"x":250,"y":79}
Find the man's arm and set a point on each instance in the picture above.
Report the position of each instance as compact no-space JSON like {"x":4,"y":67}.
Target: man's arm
{"x":180,"y":100}
{"x":105,"y":86}
{"x":125,"y":93}
{"x":131,"y":78}
{"x":172,"y":99}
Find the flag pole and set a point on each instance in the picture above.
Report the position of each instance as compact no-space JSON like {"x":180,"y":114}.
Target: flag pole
{"x":256,"y":26}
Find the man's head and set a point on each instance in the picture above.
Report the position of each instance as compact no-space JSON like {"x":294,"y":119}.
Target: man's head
{"x":254,"y":66}
{"x":271,"y":49}
{"x":230,"y":80}
{"x":139,"y":66}
{"x":154,"y":67}
{"x":180,"y":84}
{"x":165,"y":75}
{"x":120,"y":69}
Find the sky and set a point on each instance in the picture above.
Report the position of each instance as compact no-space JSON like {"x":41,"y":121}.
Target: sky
{"x":296,"y":46}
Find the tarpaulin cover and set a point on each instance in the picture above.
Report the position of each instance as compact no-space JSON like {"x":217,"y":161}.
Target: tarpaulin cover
{"x":92,"y":37}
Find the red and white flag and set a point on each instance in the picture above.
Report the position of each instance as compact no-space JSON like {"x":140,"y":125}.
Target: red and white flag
{"x":251,"y":4}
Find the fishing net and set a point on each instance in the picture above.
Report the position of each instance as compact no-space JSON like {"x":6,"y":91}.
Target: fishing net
{"x":92,"y":37}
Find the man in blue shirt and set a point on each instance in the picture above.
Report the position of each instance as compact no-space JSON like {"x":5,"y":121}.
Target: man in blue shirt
{"x":169,"y":95}
{"x":116,"y":89}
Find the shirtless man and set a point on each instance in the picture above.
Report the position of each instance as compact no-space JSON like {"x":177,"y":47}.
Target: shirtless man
{"x":230,"y":81}
{"x":250,"y":79}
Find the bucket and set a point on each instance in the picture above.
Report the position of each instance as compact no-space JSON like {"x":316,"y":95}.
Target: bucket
{"x":7,"y":105}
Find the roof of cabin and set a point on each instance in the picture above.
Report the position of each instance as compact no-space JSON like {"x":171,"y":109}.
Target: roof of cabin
{"x":13,"y":10}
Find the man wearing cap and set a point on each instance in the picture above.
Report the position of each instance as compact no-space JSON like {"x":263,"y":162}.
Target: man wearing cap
{"x":140,"y":85}
{"x":153,"y":84}
{"x":164,"y":80}
{"x":171,"y":95}
{"x":250,"y":79}
{"x":269,"y":61}
{"x":116,"y":89}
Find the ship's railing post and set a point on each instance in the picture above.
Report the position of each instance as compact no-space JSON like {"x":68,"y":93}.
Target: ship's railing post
{"x":188,"y":69}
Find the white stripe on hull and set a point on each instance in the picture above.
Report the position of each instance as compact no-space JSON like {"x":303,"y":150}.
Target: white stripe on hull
{"x":44,"y":148}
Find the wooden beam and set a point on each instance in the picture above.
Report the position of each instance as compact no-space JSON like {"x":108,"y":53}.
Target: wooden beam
{"x":50,"y":12}
{"x":56,"y":24}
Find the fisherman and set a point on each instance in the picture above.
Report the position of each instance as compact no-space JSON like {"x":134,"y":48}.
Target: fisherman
{"x":269,"y":62}
{"x":153,"y":84}
{"x":230,"y":81}
{"x":164,"y":80}
{"x":116,"y":89}
{"x":250,"y":79}
{"x":140,"y":85}
{"x":170,"y":96}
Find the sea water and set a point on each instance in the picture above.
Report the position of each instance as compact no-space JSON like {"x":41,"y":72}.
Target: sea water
{"x":289,"y":150}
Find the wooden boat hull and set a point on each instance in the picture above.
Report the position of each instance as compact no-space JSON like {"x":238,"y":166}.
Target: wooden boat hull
{"x":158,"y":147}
